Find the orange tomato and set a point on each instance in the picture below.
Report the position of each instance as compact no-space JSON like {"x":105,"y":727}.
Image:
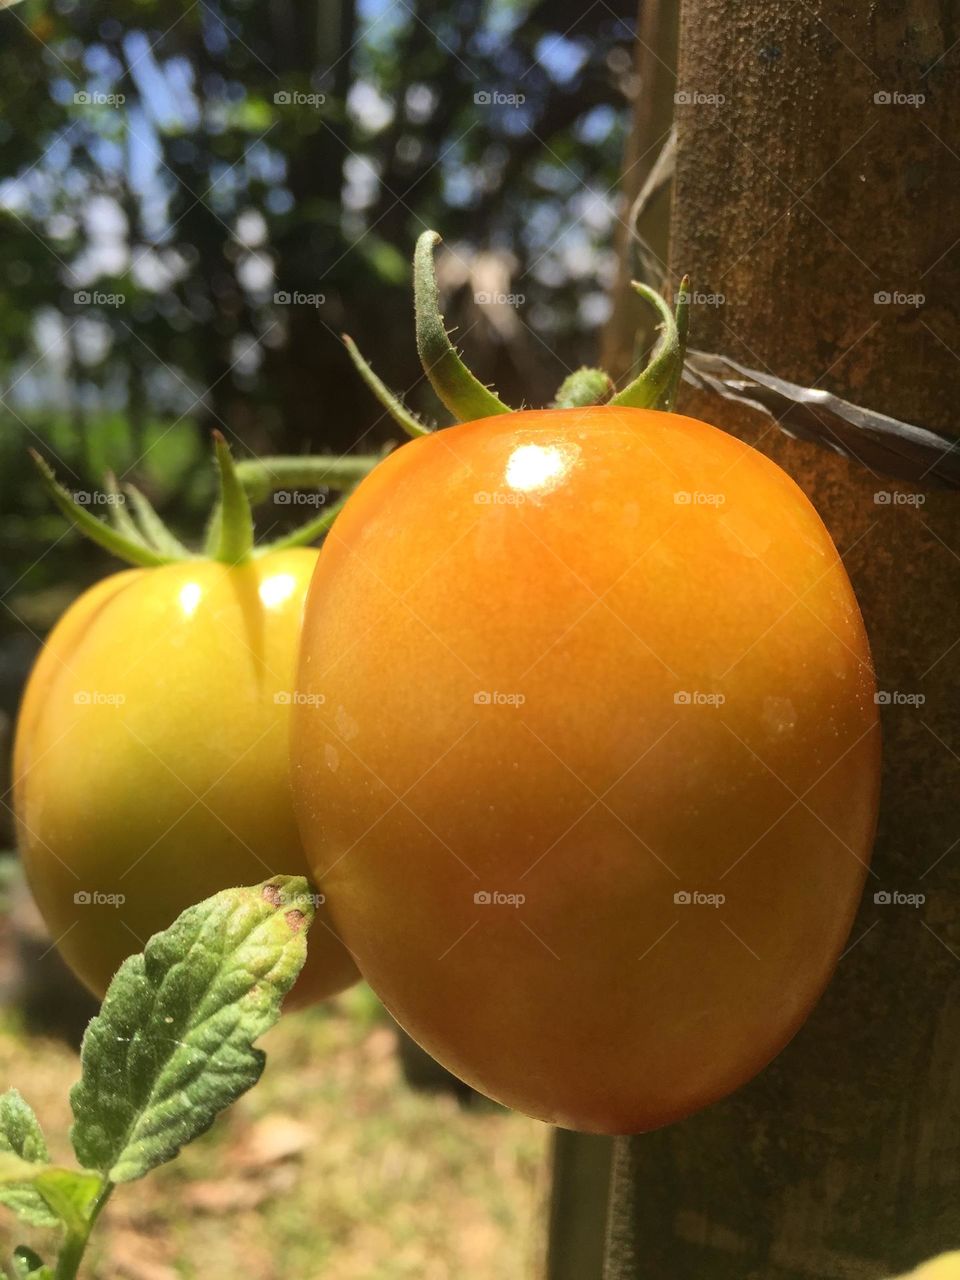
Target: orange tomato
{"x":589,"y":767}
{"x":151,"y":761}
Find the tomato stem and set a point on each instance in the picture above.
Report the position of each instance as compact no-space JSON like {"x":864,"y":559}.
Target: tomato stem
{"x":468,"y":399}
{"x":463,"y":394}
{"x":76,"y":1239}
{"x":262,"y":476}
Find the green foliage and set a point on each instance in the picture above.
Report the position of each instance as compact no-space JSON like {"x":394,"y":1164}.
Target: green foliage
{"x":22,"y":1137}
{"x":172,"y":1044}
{"x":70,"y":1193}
{"x":171,"y":1047}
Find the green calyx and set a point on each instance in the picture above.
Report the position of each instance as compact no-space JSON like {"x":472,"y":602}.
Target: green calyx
{"x":135,"y":533}
{"x":655,"y":387}
{"x":582,"y":387}
{"x":463,"y":394}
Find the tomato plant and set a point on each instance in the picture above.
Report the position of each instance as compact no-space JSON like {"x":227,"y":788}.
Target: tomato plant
{"x":588,"y":763}
{"x":172,"y":1046}
{"x":151,"y":762}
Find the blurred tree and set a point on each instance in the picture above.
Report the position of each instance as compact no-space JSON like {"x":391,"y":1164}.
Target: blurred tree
{"x":203,"y":161}
{"x":197,"y":198}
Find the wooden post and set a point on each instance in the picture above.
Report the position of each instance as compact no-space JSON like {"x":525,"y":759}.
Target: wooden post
{"x":579,"y":1194}
{"x":812,"y":181}
{"x":654,"y":77}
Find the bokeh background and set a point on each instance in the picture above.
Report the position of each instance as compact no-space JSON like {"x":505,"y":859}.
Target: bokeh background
{"x":172,"y":173}
{"x":196,"y":200}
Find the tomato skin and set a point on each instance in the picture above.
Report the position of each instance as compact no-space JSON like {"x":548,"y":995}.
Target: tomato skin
{"x":944,"y":1267}
{"x":546,"y":556}
{"x":151,"y":757}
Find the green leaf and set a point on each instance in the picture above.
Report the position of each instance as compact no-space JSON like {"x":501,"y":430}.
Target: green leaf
{"x":172,"y":1045}
{"x":66,"y":1195}
{"x":20,"y":1130}
{"x":71,"y":1194}
{"x":464,"y":394}
{"x":22,"y":1138}
{"x":14,"y":1168}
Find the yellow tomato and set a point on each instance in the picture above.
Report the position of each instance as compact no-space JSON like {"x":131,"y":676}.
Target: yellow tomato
{"x":151,"y":762}
{"x":593,"y":783}
{"x":944,"y":1267}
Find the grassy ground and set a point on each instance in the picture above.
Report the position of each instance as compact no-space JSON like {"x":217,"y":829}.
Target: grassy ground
{"x":332,"y":1168}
